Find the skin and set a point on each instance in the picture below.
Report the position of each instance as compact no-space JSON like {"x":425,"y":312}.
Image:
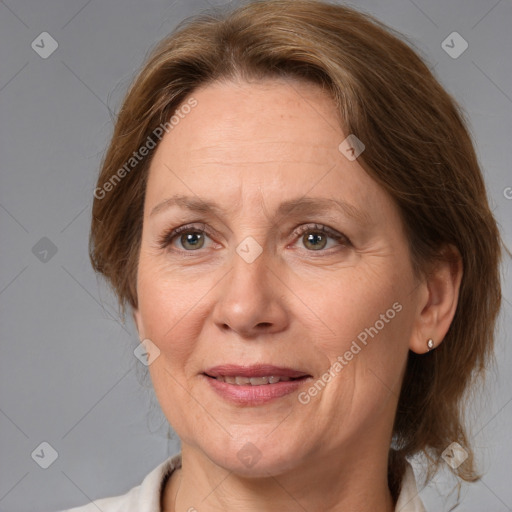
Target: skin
{"x":299,"y":304}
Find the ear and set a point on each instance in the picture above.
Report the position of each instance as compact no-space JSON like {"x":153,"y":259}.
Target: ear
{"x":438,"y":294}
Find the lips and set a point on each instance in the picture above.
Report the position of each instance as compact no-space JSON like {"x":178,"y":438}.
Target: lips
{"x":254,"y":385}
{"x":234,"y":374}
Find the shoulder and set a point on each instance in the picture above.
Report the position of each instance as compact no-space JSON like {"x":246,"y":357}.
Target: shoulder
{"x":409,"y":498}
{"x":142,"y":498}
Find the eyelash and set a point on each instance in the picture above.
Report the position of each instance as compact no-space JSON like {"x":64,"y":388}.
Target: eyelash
{"x":169,"y":237}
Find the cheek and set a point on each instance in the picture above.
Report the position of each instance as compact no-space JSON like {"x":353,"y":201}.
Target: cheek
{"x":366,"y":357}
{"x":373,"y":321}
{"x":169,"y":309}
{"x":352,"y":307}
{"x":367,"y":354}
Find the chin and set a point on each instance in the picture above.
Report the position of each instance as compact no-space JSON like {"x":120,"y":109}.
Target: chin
{"x":262,"y":457}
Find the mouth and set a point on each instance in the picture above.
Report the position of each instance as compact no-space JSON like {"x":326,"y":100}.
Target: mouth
{"x":254,"y":381}
{"x":254,"y":385}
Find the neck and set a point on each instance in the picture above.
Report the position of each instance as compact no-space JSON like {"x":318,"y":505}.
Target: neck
{"x":331,"y":483}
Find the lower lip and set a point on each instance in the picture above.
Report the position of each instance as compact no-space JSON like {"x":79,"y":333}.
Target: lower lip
{"x":254,"y":395}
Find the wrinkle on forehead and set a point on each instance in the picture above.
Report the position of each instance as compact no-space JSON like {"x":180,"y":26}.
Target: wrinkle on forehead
{"x":242,"y":153}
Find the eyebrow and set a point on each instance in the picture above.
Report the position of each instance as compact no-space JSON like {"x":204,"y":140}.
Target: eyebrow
{"x":292,"y":207}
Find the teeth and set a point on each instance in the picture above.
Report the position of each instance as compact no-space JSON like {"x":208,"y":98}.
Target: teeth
{"x":258,"y":381}
{"x":253,"y":381}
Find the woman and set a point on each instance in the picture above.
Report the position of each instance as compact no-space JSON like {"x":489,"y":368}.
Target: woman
{"x":292,"y":209}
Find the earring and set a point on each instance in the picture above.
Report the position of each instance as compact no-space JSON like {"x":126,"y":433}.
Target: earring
{"x":430,"y":344}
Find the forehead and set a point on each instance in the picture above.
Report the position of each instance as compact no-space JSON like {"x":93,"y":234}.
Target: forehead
{"x":252,"y":122}
{"x":250,"y":141}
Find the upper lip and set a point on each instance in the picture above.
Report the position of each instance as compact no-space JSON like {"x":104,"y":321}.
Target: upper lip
{"x":257,"y":370}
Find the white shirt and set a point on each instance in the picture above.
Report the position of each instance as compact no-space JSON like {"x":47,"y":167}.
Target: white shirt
{"x":146,"y":496}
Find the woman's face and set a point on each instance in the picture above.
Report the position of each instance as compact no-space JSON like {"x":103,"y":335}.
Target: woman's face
{"x":293,"y":264}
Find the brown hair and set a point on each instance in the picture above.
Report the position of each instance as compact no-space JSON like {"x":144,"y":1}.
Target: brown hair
{"x":417,"y":148}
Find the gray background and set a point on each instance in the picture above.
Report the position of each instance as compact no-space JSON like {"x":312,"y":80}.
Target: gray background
{"x":68,"y":375}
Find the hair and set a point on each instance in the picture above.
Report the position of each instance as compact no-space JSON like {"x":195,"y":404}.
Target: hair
{"x":417,"y":148}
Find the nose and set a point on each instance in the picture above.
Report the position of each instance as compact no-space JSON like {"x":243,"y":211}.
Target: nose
{"x":251,"y":300}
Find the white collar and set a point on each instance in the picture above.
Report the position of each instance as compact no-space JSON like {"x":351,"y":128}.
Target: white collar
{"x":409,"y":499}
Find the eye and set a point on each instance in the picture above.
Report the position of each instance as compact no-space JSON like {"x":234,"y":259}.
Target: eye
{"x":190,"y":237}
{"x":316,"y":237}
